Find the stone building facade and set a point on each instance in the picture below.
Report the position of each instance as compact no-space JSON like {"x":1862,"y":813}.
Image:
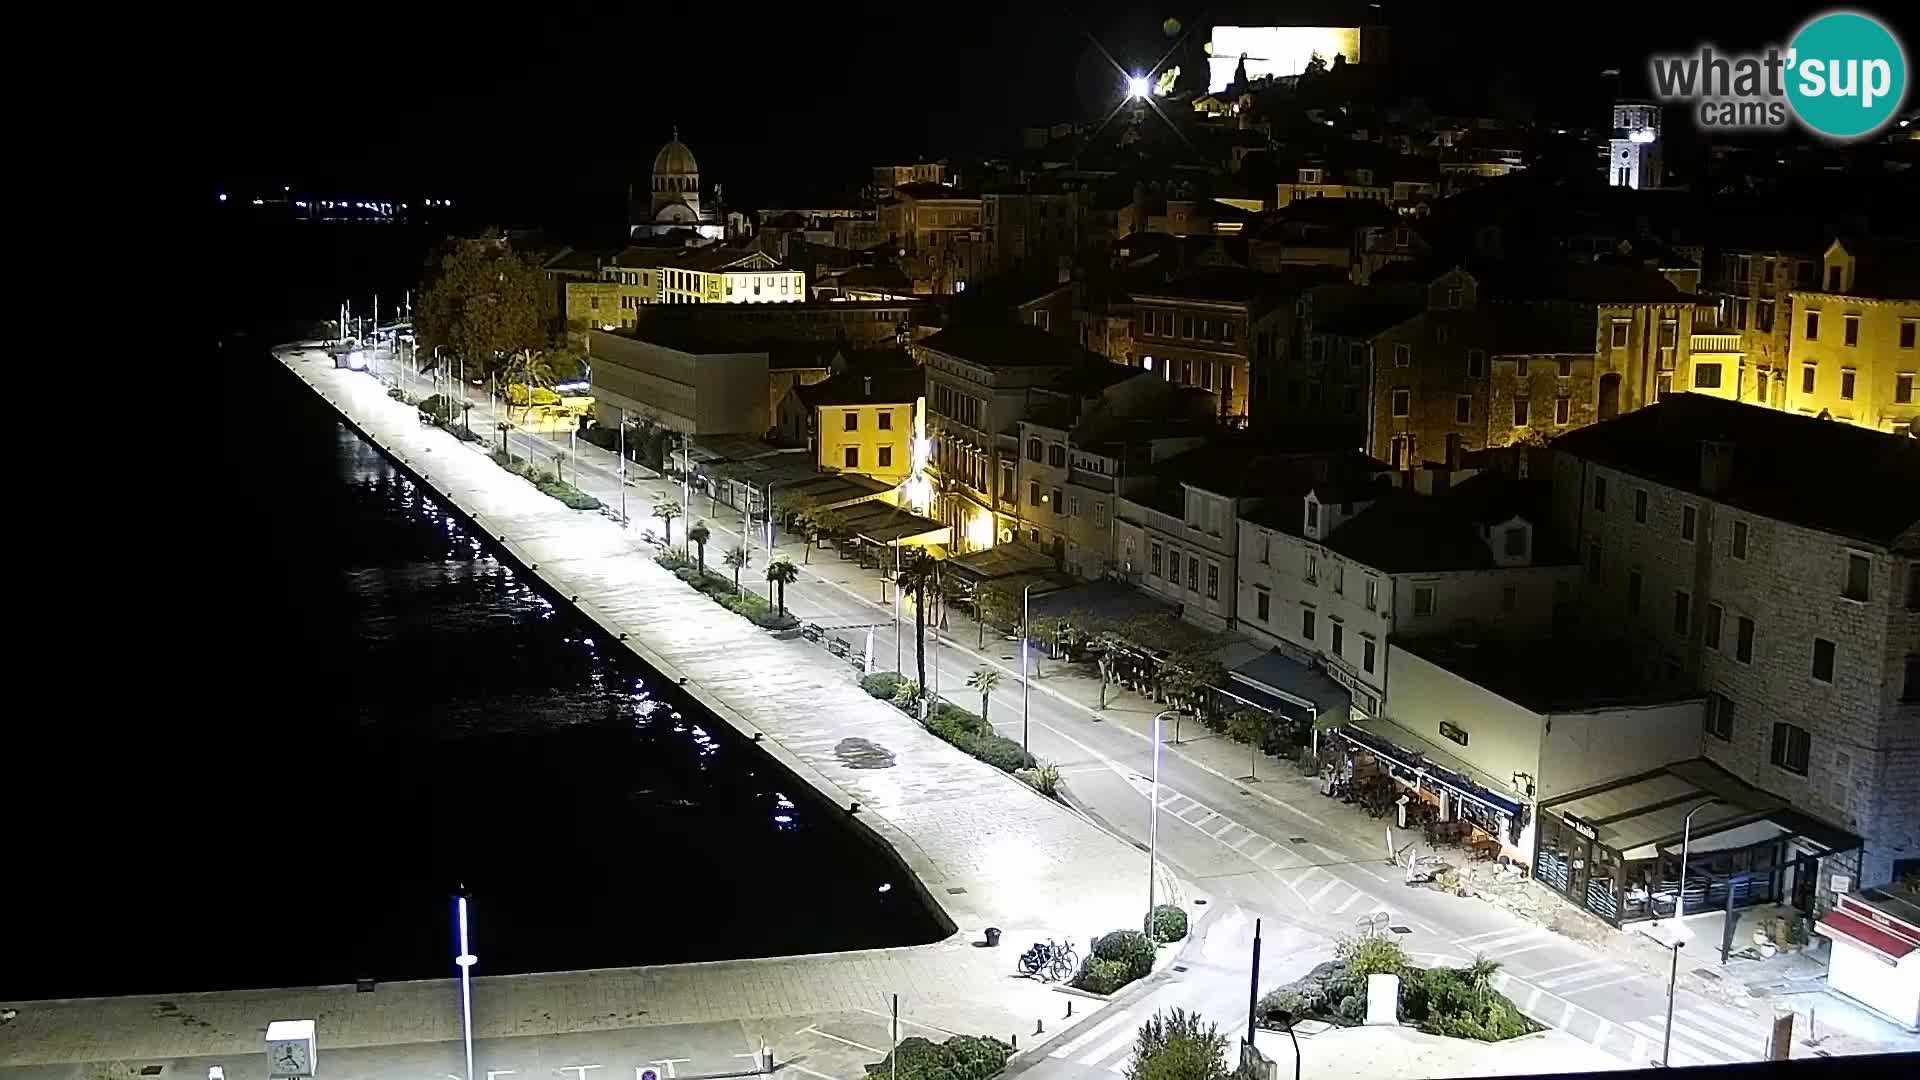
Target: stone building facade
{"x":1774,"y":561}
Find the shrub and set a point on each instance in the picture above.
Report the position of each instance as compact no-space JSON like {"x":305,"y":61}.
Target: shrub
{"x":1130,"y":947}
{"x":959,"y":720}
{"x":1178,"y":1045}
{"x":1166,"y":923}
{"x":1099,"y":976}
{"x":573,"y":497}
{"x":962,"y":1057}
{"x":1044,"y":779}
{"x":882,"y":684}
{"x":907,"y":695}
{"x":1284,"y":1000}
{"x":1369,"y":955}
{"x":685,"y":573}
{"x":1001,"y":753}
{"x":773,"y":620}
{"x":672,"y":560}
{"x":1353,"y":1007}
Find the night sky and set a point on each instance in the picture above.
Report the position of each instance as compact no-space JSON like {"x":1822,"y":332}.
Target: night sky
{"x":550,"y":107}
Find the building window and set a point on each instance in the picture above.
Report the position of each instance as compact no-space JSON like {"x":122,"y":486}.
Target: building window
{"x":1476,"y":363}
{"x":1706,"y":376}
{"x":1339,"y":578}
{"x":1193,"y":573}
{"x":1154,"y":564}
{"x":1682,"y":612}
{"x":1823,"y":660}
{"x":1339,"y":638}
{"x":1073,"y":506}
{"x":1850,"y":330}
{"x":1806,"y":378}
{"x":1913,"y":586}
{"x":1633,"y":592}
{"x":1373,"y":593}
{"x":1912,"y":691}
{"x":1743,"y":640}
{"x":1186,"y":327}
{"x":1562,"y":410}
{"x":1790,"y":748}
{"x":886,"y":420}
{"x":1462,"y":409}
{"x":886,"y":457}
{"x":1423,"y":599}
{"x":1813,"y":326}
{"x":1903,"y":387}
{"x":1719,"y":718}
{"x":1402,"y":402}
{"x":1600,"y":493}
{"x":1515,"y":540}
{"x":1306,"y":623}
{"x":1859,"y":571}
{"x":1640,"y":506}
{"x":1689,"y":522}
{"x":1033,"y":450}
{"x":1057,"y":455}
{"x":1366,"y":655}
{"x":1263,"y":604}
{"x":1737,"y":547}
{"x":1715,"y":615}
{"x":1846,"y":384}
{"x":853,"y":457}
{"x":1099,"y":513}
{"x":1620,"y":330}
{"x":1520,"y":412}
{"x":1907,"y":332}
{"x":1057,"y":500}
{"x":1593,"y":562}
{"x":1403,"y":355}
{"x":1213,"y":581}
{"x":1509,"y":597}
{"x":1310,"y":572}
{"x":1033,"y":493}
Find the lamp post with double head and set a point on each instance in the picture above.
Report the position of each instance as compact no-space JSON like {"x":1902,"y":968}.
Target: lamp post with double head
{"x":1153,"y":817}
{"x":1026,"y":603}
{"x":1678,"y":936}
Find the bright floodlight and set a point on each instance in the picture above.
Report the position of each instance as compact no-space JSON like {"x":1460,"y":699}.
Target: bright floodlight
{"x":1137,"y":86}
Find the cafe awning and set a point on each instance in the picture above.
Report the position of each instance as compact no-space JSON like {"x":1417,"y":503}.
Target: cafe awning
{"x":1884,"y":944}
{"x":1280,"y":684}
{"x":1431,"y":764}
{"x":1643,"y":815}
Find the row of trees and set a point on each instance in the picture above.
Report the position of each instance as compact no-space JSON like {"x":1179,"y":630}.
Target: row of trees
{"x":780,"y":572}
{"x":490,"y":307}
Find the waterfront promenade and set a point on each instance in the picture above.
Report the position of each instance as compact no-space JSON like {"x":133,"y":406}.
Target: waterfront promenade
{"x":987,"y":850}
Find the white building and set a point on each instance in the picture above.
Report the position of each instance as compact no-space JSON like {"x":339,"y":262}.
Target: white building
{"x":1333,"y":577}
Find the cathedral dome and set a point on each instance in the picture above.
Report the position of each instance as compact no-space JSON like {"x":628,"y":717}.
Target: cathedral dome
{"x":674,"y":159}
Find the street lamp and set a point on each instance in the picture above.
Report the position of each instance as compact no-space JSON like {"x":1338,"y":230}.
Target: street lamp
{"x":1679,"y":935}
{"x":466,"y":960}
{"x":1026,"y":598}
{"x":1153,"y":820}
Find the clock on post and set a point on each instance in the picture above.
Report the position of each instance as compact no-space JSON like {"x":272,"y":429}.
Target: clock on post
{"x":290,"y":1049}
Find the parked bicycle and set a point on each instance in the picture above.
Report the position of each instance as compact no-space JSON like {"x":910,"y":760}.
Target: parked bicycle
{"x":1049,"y":961}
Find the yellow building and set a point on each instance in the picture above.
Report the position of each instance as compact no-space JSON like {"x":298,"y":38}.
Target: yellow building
{"x":860,"y":421}
{"x":1853,"y":355}
{"x":676,"y":275}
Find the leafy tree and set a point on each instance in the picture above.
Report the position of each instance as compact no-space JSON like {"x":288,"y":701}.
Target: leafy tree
{"x":781,"y":573}
{"x":984,"y":680}
{"x":920,"y":573}
{"x":700,"y":534}
{"x":739,"y":558}
{"x":992,"y":604}
{"x":1249,"y":726}
{"x":483,"y":301}
{"x":666,"y":508}
{"x":534,"y":371}
{"x":1178,"y":1045}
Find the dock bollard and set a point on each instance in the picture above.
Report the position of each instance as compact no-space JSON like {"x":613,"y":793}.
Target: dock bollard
{"x":1039,"y":1026}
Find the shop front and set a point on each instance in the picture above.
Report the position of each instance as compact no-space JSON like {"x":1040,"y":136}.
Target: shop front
{"x":1450,"y":793}
{"x":1615,"y":849}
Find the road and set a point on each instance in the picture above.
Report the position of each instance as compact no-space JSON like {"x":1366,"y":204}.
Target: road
{"x":1271,"y":849}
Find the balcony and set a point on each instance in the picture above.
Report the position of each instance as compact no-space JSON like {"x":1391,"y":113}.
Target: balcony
{"x":1093,"y":480}
{"x":1717,"y":342}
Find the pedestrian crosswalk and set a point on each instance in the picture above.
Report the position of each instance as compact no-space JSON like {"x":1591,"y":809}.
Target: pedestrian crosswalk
{"x":1702,"y":1035}
{"x":1301,"y":868}
{"x":1108,"y":1043}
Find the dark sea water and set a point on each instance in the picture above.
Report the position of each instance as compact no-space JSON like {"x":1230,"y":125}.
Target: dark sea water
{"x":308,"y":706}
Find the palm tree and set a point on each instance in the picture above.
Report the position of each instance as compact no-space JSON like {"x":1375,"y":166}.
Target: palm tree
{"x":536,"y":370}
{"x":666,"y":509}
{"x":984,"y":680}
{"x":739,"y":558}
{"x":699,"y":534}
{"x":917,"y":573}
{"x":782,"y":572}
{"x":1481,"y":972}
{"x":803,"y":523}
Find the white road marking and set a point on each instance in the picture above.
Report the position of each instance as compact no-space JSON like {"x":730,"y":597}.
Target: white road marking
{"x":1685,"y":1051}
{"x":1540,"y":976}
{"x":1249,"y":836}
{"x":1641,"y":1050}
{"x":1230,"y":827}
{"x":1263,"y":852}
{"x":1506,"y":952}
{"x":1566,"y":1016}
{"x":1349,"y":901}
{"x":809,"y":1072}
{"x":1106,"y":1049}
{"x":1582,"y":986}
{"x":1695,"y":1030}
{"x":829,"y":1035}
{"x":904,"y":1020}
{"x":665,"y":1063}
{"x":1600,"y":1033}
{"x":1203,"y":822}
{"x":1332,"y":882}
{"x":1499,"y":940}
{"x":1089,"y":1035}
{"x":1119,"y":1068}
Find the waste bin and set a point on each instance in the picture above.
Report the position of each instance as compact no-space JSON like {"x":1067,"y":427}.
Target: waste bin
{"x":993,"y":936}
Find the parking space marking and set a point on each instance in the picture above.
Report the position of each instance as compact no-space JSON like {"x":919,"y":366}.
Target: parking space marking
{"x":909,"y":1023}
{"x":811,"y":1030}
{"x":809,"y":1072}
{"x":1229,"y":828}
{"x":1244,"y":840}
{"x":1324,"y":890}
{"x":1092,"y":1033}
{"x":1348,"y":902}
{"x":1106,"y":1049}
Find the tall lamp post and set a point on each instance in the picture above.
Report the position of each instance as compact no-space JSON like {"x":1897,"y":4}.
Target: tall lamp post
{"x":1678,"y":937}
{"x":1026,"y":600}
{"x":1153,"y":820}
{"x":466,"y":960}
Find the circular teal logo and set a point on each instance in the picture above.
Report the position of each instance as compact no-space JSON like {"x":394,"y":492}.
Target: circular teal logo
{"x":1847,"y":74}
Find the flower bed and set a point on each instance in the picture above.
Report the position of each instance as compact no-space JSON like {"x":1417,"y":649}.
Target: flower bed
{"x":546,"y":482}
{"x":1456,"y":1002}
{"x":721,"y":590}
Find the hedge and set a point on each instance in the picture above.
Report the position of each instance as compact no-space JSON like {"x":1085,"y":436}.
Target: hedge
{"x":1167,"y":923}
{"x":1102,"y":976}
{"x":720,"y":589}
{"x":962,"y":1057}
{"x":1130,"y":947}
{"x":883,"y":685}
{"x":545,"y":482}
